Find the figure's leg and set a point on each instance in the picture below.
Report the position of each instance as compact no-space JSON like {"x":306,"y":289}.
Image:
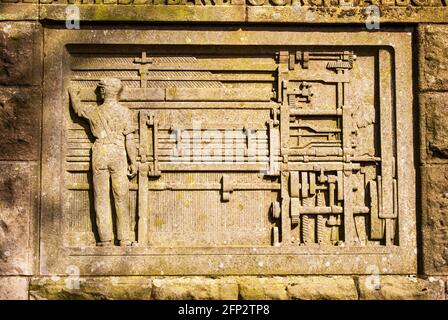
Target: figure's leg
{"x":120,"y":189}
{"x":103,"y":210}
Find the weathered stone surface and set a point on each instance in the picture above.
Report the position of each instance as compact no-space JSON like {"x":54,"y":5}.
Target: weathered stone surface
{"x":313,"y":11}
{"x":20,"y":110}
{"x":19,"y":53}
{"x":13,"y":288}
{"x":401,"y":288}
{"x":149,"y":12}
{"x":322,"y":288}
{"x":229,"y":77}
{"x":195,"y":288}
{"x":19,"y":10}
{"x":343,"y":12}
{"x":435,"y":219}
{"x":251,"y":288}
{"x":446,"y":288}
{"x":96,"y":288}
{"x":18,"y":204}
{"x":434,"y":127}
{"x":433,"y":57}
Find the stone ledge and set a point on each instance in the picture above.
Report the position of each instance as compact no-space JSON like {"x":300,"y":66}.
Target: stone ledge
{"x":238,"y":11}
{"x":19,"y":11}
{"x":247,"y":287}
{"x":344,"y":14}
{"x":142,"y":13}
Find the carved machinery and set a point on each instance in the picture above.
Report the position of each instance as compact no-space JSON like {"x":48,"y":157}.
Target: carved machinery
{"x":328,"y":173}
{"x":338,"y":193}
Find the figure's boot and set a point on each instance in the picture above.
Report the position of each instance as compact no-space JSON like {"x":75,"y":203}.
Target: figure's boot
{"x":125,"y":243}
{"x":105,"y":244}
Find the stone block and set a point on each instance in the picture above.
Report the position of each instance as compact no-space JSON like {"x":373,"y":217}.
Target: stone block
{"x":252,"y":288}
{"x":96,"y":288}
{"x":434,"y":219}
{"x":20,"y":51}
{"x":434,"y":127}
{"x":13,"y":288}
{"x":18,"y":205}
{"x":433,"y":57}
{"x":20,"y":110}
{"x":195,"y":288}
{"x":401,"y":288}
{"x":322,"y":288}
{"x":446,"y":288}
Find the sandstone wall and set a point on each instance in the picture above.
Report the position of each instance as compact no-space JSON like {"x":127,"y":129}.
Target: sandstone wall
{"x":21,"y":84}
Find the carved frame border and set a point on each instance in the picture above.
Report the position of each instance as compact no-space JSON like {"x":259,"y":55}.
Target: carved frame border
{"x":55,"y":259}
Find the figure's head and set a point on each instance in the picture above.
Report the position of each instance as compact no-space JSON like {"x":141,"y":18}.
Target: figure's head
{"x":110,"y":87}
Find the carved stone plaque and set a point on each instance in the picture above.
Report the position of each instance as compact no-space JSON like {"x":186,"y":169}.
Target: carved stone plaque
{"x":258,"y":152}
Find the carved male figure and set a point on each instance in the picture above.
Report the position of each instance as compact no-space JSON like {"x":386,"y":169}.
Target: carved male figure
{"x":111,"y":124}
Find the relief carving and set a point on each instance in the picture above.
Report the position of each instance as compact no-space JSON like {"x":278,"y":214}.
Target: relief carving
{"x":314,"y":145}
{"x":226,"y":159}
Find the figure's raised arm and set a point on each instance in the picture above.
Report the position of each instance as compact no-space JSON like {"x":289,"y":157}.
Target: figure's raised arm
{"x":76,"y":101}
